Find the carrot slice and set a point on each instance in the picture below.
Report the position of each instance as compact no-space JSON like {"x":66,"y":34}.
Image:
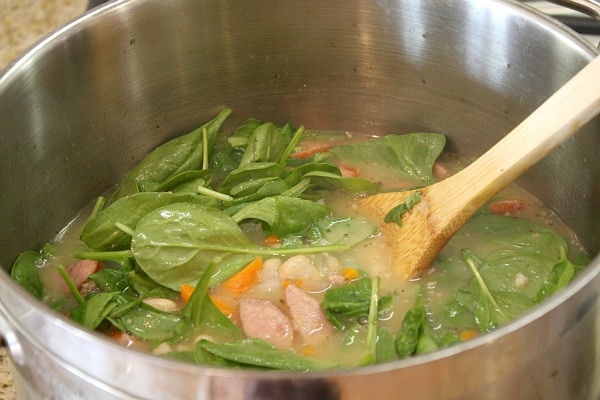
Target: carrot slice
{"x":272,"y":240}
{"x":468,"y":334}
{"x":350,"y":274}
{"x":186,"y":292}
{"x":224,"y":307}
{"x":244,"y":279}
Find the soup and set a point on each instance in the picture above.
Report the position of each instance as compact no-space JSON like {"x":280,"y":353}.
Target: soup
{"x":249,"y":249}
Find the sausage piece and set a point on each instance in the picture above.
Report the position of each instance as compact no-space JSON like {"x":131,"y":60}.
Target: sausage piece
{"x":262,"y":319}
{"x":307,"y":317}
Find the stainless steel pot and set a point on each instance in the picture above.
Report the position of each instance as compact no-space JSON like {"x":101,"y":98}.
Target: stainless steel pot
{"x":88,"y":101}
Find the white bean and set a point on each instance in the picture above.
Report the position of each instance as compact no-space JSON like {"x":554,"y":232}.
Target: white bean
{"x":299,"y":267}
{"x":161,"y":304}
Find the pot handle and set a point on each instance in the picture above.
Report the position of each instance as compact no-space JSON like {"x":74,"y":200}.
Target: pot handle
{"x":588,"y":7}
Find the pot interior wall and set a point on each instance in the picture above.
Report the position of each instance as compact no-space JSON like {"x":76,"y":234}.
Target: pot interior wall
{"x":82,"y":109}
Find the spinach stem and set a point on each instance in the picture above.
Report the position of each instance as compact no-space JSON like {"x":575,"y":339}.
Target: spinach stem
{"x":213,"y":193}
{"x":298,"y":189}
{"x":470,"y":260}
{"x":265,"y":251}
{"x":70,"y":284}
{"x":104,"y":255}
{"x":204,"y":148}
{"x":373,"y":310}
{"x":291,"y":146}
{"x":125,"y":228}
{"x":98,"y":206}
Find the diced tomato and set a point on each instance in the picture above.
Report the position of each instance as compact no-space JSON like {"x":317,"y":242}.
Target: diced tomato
{"x":507,"y":207}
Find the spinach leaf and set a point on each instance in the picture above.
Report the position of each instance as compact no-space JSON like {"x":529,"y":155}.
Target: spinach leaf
{"x":343,"y":304}
{"x":178,"y":155}
{"x":409,"y":156}
{"x":346,"y":230}
{"x":187,"y":181}
{"x":176,"y":243}
{"x":347,"y":302}
{"x":265,"y":144}
{"x":329,"y":180}
{"x":417,"y":335}
{"x":257,"y":190}
{"x":412,"y":327}
{"x":517,"y":271}
{"x":258,"y":353}
{"x":490,"y":308}
{"x":111,"y":279}
{"x":396,"y":213}
{"x":251,"y":172}
{"x":284,"y":215}
{"x":386,"y":346}
{"x":297,"y":174}
{"x":100,"y":233}
{"x":561,"y":274}
{"x":201,"y":316}
{"x":149,"y":323}
{"x":95,"y":309}
{"x":26,"y":272}
{"x":246,"y":129}
{"x":497,"y":232}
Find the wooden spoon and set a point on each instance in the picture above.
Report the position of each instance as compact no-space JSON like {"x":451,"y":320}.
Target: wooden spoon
{"x":447,"y":205}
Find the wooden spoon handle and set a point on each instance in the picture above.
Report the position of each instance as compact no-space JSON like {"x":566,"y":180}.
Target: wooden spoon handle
{"x":558,"y":118}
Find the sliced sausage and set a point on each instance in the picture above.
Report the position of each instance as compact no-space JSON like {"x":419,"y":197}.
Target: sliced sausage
{"x":507,"y":207}
{"x":262,"y":319}
{"x":307,"y":317}
{"x":81,"y":271}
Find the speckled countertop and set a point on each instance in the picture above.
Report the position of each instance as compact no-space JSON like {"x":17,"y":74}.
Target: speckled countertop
{"x":22,"y":23}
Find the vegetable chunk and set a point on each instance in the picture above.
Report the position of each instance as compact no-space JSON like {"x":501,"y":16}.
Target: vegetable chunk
{"x":263,"y":320}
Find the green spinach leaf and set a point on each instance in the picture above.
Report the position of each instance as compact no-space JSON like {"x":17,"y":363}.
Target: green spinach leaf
{"x":100,"y":233}
{"x":561,"y":274}
{"x":250,"y":172}
{"x":258,"y":353}
{"x":408,"y":157}
{"x":149,"y":323}
{"x":284,"y":215}
{"x":412,"y":327}
{"x":176,"y":243}
{"x":184,"y":153}
{"x":327,"y":180}
{"x":187,"y":181}
{"x":396,"y":213}
{"x":265,"y":144}
{"x":348,"y":230}
{"x":26,"y":272}
{"x":95,"y":309}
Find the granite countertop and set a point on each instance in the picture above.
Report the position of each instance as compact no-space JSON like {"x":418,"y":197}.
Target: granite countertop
{"x":22,"y":23}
